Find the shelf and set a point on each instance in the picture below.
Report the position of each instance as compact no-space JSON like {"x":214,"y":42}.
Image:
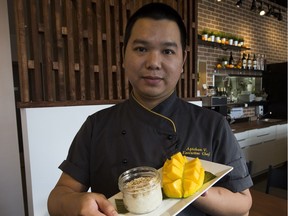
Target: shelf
{"x":220,"y":45}
{"x":238,"y":72}
{"x":243,"y":104}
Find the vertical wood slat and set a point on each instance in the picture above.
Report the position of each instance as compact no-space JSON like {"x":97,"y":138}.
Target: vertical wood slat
{"x":124,"y":22}
{"x":60,"y":51}
{"x":191,"y":68}
{"x":186,"y":21}
{"x":22,"y":50}
{"x":81,"y":50}
{"x":91,"y":51}
{"x":179,"y":85}
{"x":47,"y":61}
{"x":37,"y":94}
{"x":109,"y":50}
{"x":117,"y":48}
{"x":100,"y":49}
{"x":70,"y":49}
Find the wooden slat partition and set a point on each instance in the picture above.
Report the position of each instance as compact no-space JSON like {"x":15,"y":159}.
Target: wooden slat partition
{"x":70,"y":51}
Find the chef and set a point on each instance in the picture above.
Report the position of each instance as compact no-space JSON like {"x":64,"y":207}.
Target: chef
{"x":149,"y":127}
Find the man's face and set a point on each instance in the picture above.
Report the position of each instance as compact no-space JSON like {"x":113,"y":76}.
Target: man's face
{"x":153,"y":59}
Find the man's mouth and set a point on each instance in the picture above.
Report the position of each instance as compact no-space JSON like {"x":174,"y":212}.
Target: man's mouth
{"x":152,"y":80}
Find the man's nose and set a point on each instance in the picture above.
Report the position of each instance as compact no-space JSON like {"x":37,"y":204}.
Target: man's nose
{"x":153,"y":61}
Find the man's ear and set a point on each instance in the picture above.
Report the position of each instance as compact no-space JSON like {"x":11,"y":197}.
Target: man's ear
{"x":184,"y":57}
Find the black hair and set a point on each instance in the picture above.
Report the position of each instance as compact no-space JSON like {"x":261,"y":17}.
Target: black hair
{"x":156,"y":11}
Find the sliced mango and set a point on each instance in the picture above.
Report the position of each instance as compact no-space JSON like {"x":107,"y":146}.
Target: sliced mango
{"x":180,"y":177}
{"x":173,"y":189}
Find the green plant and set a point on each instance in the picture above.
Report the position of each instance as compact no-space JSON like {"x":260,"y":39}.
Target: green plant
{"x":236,"y":38}
{"x":210,"y":33}
{"x":230,"y":36}
{"x":204,"y":31}
{"x":240,"y":39}
{"x":223,"y":35}
{"x":217,"y":33}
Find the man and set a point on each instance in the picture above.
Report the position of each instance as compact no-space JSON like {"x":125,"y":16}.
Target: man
{"x":150,"y":127}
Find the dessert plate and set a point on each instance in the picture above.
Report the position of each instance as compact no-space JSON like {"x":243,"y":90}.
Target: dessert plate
{"x":171,"y":207}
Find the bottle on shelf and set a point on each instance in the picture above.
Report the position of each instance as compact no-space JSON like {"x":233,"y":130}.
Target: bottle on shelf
{"x":258,"y":61}
{"x":249,"y":62}
{"x":262,"y":62}
{"x":231,"y":60}
{"x":244,"y":62}
{"x":254,"y":62}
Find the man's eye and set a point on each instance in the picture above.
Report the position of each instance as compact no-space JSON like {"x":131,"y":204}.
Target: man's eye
{"x":168,"y":52}
{"x":140,"y":49}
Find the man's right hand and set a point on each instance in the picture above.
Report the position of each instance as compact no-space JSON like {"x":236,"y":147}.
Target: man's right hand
{"x":69,"y":198}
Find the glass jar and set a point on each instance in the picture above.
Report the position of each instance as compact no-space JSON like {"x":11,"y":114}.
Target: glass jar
{"x":141,"y":189}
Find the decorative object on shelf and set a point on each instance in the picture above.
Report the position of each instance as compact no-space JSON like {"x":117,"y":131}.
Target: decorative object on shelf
{"x":204,"y":34}
{"x":241,"y":41}
{"x":226,"y":40}
{"x":244,"y":62}
{"x":236,"y":40}
{"x":211,"y":36}
{"x":224,"y":61}
{"x":230,"y":38}
{"x":223,"y":37}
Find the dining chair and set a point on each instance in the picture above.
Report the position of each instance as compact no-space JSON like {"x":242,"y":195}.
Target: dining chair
{"x":277,"y":177}
{"x":249,"y":166}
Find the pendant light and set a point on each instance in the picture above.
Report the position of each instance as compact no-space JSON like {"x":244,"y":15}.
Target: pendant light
{"x":261,"y":10}
{"x":253,"y":6}
{"x":270,"y":11}
{"x":239,"y":3}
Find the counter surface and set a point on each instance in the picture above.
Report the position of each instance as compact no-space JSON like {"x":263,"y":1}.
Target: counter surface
{"x":250,"y":125}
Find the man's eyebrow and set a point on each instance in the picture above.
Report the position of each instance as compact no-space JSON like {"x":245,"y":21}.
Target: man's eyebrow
{"x":144,"y":42}
{"x":139,"y":41}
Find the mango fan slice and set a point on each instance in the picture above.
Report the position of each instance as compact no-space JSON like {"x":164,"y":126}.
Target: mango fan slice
{"x":182,"y":178}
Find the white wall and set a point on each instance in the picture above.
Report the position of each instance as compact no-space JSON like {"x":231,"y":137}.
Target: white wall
{"x":11,"y":196}
{"x":47,"y":135}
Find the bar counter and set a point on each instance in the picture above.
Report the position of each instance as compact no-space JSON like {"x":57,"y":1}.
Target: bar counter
{"x":250,"y":125}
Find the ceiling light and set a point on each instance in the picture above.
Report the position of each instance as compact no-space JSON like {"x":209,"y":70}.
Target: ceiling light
{"x":261,"y":10}
{"x":239,"y":3}
{"x":253,"y":6}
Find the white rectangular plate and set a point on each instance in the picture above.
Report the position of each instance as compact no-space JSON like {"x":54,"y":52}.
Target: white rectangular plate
{"x":171,"y":207}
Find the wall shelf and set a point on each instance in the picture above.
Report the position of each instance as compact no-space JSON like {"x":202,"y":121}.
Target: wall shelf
{"x":237,"y":72}
{"x":220,"y":45}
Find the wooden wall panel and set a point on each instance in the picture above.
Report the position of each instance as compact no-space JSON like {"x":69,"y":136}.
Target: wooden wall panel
{"x":70,"y":51}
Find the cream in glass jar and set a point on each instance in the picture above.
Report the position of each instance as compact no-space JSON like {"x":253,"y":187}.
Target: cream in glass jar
{"x":141,"y":188}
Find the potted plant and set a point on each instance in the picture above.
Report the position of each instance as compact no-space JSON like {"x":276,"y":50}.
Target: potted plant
{"x":240,"y":41}
{"x":236,"y":41}
{"x":204,"y":34}
{"x":218,"y":36}
{"x":211,"y":36}
{"x":230,"y":38}
{"x":223,"y":38}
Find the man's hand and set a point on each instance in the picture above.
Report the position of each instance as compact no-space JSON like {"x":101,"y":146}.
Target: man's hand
{"x":69,"y":197}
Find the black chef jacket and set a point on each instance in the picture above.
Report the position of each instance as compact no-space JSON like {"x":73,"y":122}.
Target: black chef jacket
{"x":128,"y":135}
